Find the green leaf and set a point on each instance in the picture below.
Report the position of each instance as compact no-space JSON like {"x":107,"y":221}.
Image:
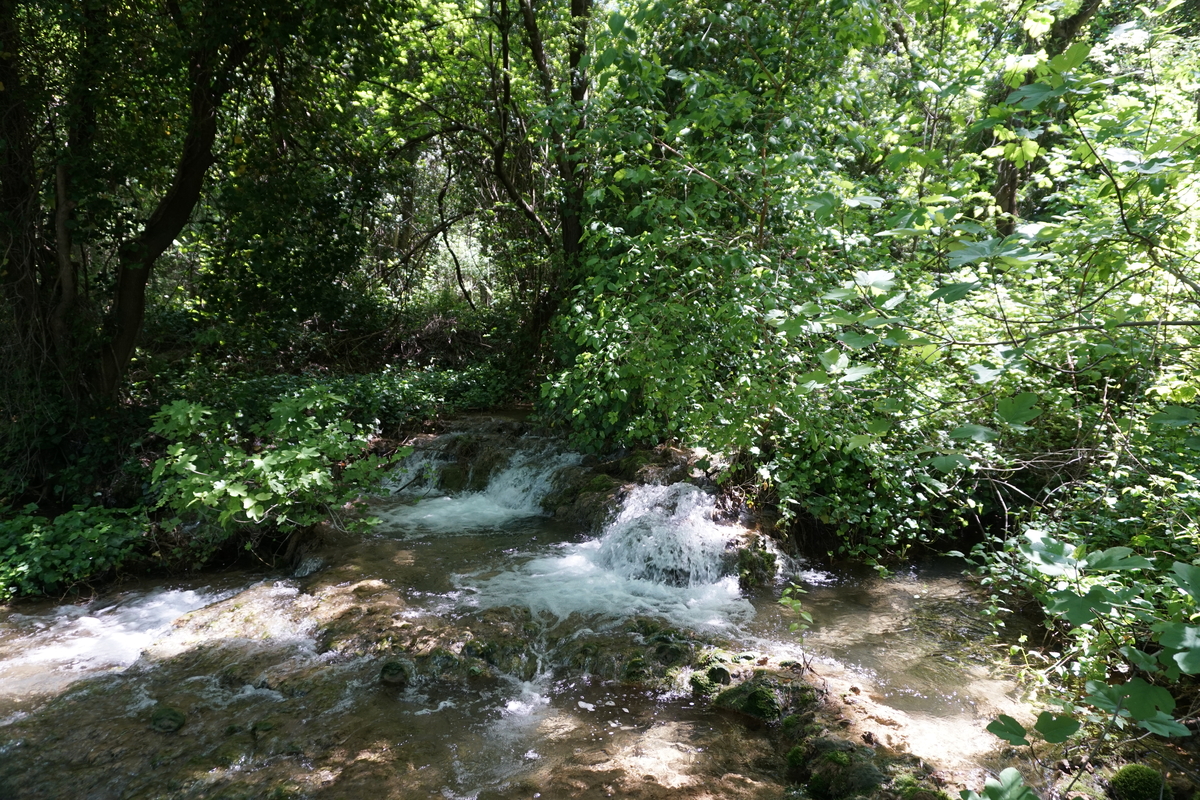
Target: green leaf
{"x":1163,"y":724}
{"x":616,"y":23}
{"x":1187,"y":577}
{"x":1008,"y":729}
{"x":1056,"y":728}
{"x":1116,"y":558}
{"x":950,"y":463}
{"x":857,"y":341}
{"x":1049,"y":556}
{"x":1033,"y":95}
{"x":952,"y":292}
{"x":822,"y":206}
{"x":1019,"y":409}
{"x":870,"y":201}
{"x":856,"y":373}
{"x":976,"y":433}
{"x":1080,"y":610}
{"x":877,"y":278}
{"x":1175,"y":416}
{"x":1075,"y":55}
{"x":1185,"y":639}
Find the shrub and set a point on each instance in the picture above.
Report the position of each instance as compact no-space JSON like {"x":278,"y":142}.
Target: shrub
{"x":40,"y":555}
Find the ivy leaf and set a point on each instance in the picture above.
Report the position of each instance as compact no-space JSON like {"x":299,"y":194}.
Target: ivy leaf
{"x":1008,"y":729}
{"x":1056,"y":728}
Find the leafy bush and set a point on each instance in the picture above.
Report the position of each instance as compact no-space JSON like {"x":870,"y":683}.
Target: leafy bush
{"x":303,"y":465}
{"x":40,"y":555}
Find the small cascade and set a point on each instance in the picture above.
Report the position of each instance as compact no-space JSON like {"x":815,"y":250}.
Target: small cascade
{"x":434,"y":502}
{"x":667,"y":534}
{"x":663,"y":555}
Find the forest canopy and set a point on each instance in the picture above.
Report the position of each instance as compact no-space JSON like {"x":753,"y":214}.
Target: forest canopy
{"x":922,"y":274}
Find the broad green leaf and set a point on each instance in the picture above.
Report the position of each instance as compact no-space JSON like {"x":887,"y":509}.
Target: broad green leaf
{"x":1185,"y":639}
{"x":1080,"y":610}
{"x":1116,"y":558}
{"x":1187,"y":577}
{"x":1049,"y":556}
{"x":616,"y":23}
{"x":1075,"y":55}
{"x":950,"y":463}
{"x":1145,"y":700}
{"x":976,"y":433}
{"x":856,"y":373}
{"x":1033,"y":95}
{"x":876,"y":278}
{"x":869,"y":201}
{"x":1175,"y":416}
{"x":822,"y":206}
{"x":1056,"y":728}
{"x":1010,"y":786}
{"x":857,"y":341}
{"x":1008,"y":729}
{"x":1019,"y":409}
{"x":1163,"y":724}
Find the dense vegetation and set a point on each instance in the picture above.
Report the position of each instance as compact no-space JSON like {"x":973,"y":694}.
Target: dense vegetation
{"x":923,"y":273}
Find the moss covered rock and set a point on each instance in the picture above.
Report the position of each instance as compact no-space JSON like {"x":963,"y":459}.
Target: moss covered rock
{"x":758,"y":698}
{"x":1139,"y":782}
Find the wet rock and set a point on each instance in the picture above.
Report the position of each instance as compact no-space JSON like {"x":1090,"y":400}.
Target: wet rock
{"x":719,"y":674}
{"x":701,"y":685}
{"x":452,"y":478}
{"x":755,"y":565}
{"x":757,"y":698}
{"x":397,"y":674}
{"x":834,"y":768}
{"x":167,"y":719}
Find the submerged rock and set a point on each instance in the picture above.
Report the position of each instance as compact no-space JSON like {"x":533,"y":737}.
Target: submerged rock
{"x":167,"y":719}
{"x":395,"y":673}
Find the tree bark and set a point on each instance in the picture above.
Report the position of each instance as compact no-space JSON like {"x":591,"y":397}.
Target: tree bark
{"x":136,"y":257}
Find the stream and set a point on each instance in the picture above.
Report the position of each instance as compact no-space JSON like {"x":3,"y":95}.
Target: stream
{"x":476,"y":646}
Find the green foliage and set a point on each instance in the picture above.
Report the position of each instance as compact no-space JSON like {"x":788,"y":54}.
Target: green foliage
{"x":41,"y":555}
{"x":1008,"y":786}
{"x":1139,"y":782}
{"x":789,"y":598}
{"x":300,"y":466}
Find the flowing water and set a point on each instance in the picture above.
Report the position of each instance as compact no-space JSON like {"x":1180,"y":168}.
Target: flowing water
{"x":518,"y":640}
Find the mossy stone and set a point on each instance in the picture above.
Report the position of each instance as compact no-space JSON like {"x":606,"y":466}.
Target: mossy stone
{"x":1139,"y":782}
{"x":701,"y":685}
{"x":719,"y":674}
{"x":167,"y":719}
{"x":755,"y":698}
{"x":395,"y":673}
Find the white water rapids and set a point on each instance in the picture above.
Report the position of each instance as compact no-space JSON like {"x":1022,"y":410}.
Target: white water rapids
{"x":476,"y":561}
